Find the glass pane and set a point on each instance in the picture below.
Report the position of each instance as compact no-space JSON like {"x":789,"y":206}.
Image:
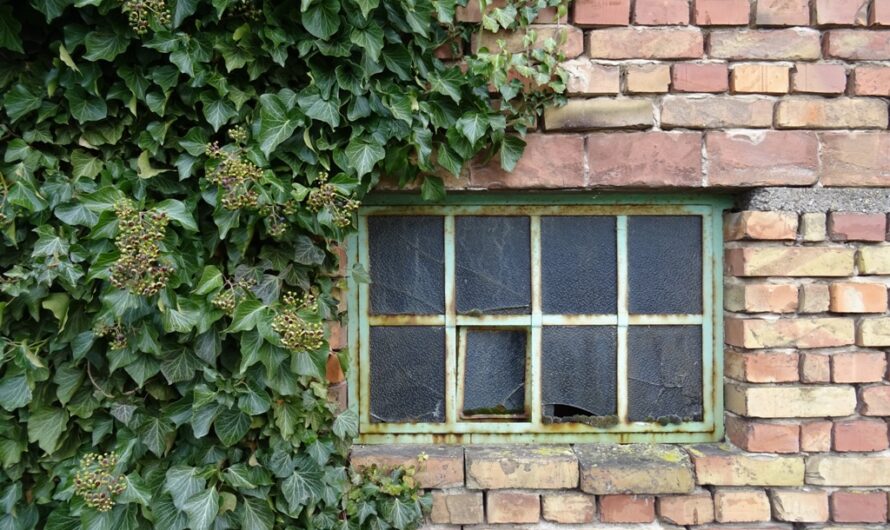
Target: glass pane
{"x":494,"y":376}
{"x":664,"y":264}
{"x":407,"y":266}
{"x":664,"y":373}
{"x":578,"y":265}
{"x":492,"y":265}
{"x":407,"y":374}
{"x":579,"y":372}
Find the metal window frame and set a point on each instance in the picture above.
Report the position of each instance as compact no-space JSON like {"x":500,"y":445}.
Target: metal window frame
{"x":535,"y":205}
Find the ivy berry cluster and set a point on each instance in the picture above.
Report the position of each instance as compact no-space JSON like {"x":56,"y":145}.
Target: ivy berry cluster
{"x":234,"y":175}
{"x":326,"y":196}
{"x":96,"y":482}
{"x":141,"y":12}
{"x":297,"y":334}
{"x":234,"y":291}
{"x":139,"y":268}
{"x":117,"y":336}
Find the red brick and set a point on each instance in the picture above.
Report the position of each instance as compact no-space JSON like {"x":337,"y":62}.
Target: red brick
{"x":835,"y":113}
{"x":781,"y":44}
{"x":819,"y":78}
{"x":645,"y":43}
{"x":646,"y":159}
{"x":601,"y":12}
{"x":741,"y":506}
{"x":860,"y":435}
{"x":855,"y":159}
{"x":763,"y":367}
{"x":700,"y":77}
{"x":849,"y":297}
{"x":842,"y":12}
{"x":782,"y":13}
{"x":334,"y":371}
{"x":859,"y":506}
{"x":765,"y":158}
{"x":815,"y":436}
{"x":871,"y":80}
{"x":586,"y":77}
{"x":858,"y":367}
{"x":815,"y":368}
{"x":859,"y":45}
{"x":627,"y":509}
{"x":760,"y":437}
{"x":697,"y":508}
{"x":721,"y":12}
{"x":875,"y":400}
{"x":880,"y":13}
{"x":843,"y":226}
{"x":661,"y":12}
{"x":789,"y":332}
{"x":761,"y":297}
{"x":513,"y":507}
{"x":760,"y":225}
{"x":550,"y":161}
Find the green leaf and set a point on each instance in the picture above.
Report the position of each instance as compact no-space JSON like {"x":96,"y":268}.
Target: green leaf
{"x":9,"y":30}
{"x":85,"y":107}
{"x":318,"y":108}
{"x":85,"y":164}
{"x":363,"y":156}
{"x":156,"y":434}
{"x":19,"y":101}
{"x":218,"y":112}
{"x":68,"y":379}
{"x":231,"y":426}
{"x":144,"y":168}
{"x":247,"y":314}
{"x":45,"y":426}
{"x":472,"y":126}
{"x":277,"y":122}
{"x":210,"y":282}
{"x":306,"y":252}
{"x":14,"y":392}
{"x":400,"y":513}
{"x":367,"y":6}
{"x":52,"y":9}
{"x":105,"y":45}
{"x":255,"y":514}
{"x":202,"y":508}
{"x":182,"y":10}
{"x":180,"y":367}
{"x":370,"y":39}
{"x":177,"y":320}
{"x":322,"y":19}
{"x":511,"y":151}
{"x":178,"y":212}
{"x":137,"y":490}
{"x":346,"y":424}
{"x":76,"y":214}
{"x":182,"y":483}
{"x":433,"y":188}
{"x":302,"y":487}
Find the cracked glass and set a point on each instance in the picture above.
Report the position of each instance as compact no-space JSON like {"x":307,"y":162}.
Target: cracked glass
{"x":494,"y":376}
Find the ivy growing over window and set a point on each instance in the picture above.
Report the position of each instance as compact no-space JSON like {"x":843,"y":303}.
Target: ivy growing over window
{"x":174,"y":177}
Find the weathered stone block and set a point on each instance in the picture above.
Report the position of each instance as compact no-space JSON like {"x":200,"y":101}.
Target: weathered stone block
{"x":723,"y":465}
{"x":569,"y":507}
{"x":639,"y":469}
{"x":800,"y":506}
{"x":457,"y":507}
{"x":529,"y":467}
{"x":810,"y":401}
{"x":836,"y":470}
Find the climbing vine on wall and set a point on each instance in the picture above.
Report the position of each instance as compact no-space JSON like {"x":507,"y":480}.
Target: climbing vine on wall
{"x":174,"y":176}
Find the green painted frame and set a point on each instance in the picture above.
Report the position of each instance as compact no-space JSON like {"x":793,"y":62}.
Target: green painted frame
{"x":709,"y":207}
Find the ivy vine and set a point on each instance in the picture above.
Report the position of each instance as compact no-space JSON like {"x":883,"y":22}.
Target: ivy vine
{"x":175,"y":175}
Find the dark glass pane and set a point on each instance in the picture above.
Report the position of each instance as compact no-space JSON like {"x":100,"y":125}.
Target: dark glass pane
{"x":407,"y":374}
{"x":664,"y":373}
{"x":578,"y":265}
{"x":492,"y":268}
{"x":407,"y":266}
{"x":494,"y":376}
{"x":664,"y":264}
{"x":579,"y":371}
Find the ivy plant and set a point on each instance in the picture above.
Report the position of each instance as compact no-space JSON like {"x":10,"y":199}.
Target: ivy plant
{"x":175,"y":177}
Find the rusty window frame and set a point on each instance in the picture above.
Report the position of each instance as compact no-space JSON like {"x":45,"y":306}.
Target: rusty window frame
{"x":535,"y":205}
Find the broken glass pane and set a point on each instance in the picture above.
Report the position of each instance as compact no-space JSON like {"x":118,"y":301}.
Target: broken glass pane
{"x":664,"y":252}
{"x":578,"y":265}
{"x":664,"y":373}
{"x":579,"y":367}
{"x":407,"y":374}
{"x":492,"y":265}
{"x":494,"y":376}
{"x":407,"y":265}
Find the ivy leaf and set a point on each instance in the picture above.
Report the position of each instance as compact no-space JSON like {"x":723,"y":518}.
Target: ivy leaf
{"x":156,"y":434}
{"x":85,"y":164}
{"x":231,"y":426}
{"x":246,"y":315}
{"x":277,"y":122}
{"x":182,"y":483}
{"x":9,"y":30}
{"x":202,"y":508}
{"x":511,"y":151}
{"x":322,"y":19}
{"x":14,"y":392}
{"x":302,"y":487}
{"x":433,"y":188}
{"x":19,"y":101}
{"x":175,"y":320}
{"x":346,"y":425}
{"x":105,"y":45}
{"x":210,"y":282}
{"x":363,"y":156}
{"x":367,"y":6}
{"x":218,"y":112}
{"x":76,"y":214}
{"x":400,"y":513}
{"x":180,"y":367}
{"x":370,"y":39}
{"x":45,"y":426}
{"x":306,"y":253}
{"x":85,"y":107}
{"x":318,"y":108}
{"x":255,"y":514}
{"x":178,"y":212}
{"x":52,"y":9}
{"x":472,"y":126}
{"x":182,"y":10}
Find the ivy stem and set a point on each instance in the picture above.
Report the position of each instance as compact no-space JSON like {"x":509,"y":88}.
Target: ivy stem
{"x":96,"y":385}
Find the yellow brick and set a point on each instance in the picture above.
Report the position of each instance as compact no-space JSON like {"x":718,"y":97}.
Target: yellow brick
{"x":741,"y":506}
{"x":790,"y":261}
{"x":760,"y":225}
{"x":874,"y":332}
{"x":760,"y":78}
{"x":790,"y":332}
{"x":598,"y":113}
{"x":724,"y":465}
{"x":462,"y":507}
{"x":760,"y":401}
{"x":874,"y":260}
{"x":650,"y":78}
{"x":832,"y":470}
{"x":531,"y":467}
{"x":637,"y":469}
{"x":569,"y":507}
{"x":800,"y":506}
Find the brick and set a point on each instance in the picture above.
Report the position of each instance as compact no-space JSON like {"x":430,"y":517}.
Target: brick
{"x":815,"y":436}
{"x":760,"y":225}
{"x":723,"y":465}
{"x":782,"y":13}
{"x":569,"y":507}
{"x":844,"y":226}
{"x":800,"y":506}
{"x":875,"y":400}
{"x":848,"y":470}
{"x":721,"y":12}
{"x":462,"y":507}
{"x":819,"y":78}
{"x":645,"y":43}
{"x":781,"y":44}
{"x":858,"y":45}
{"x":700,"y":77}
{"x":812,"y":227}
{"x":855,"y":159}
{"x":760,"y":437}
{"x":760,"y":78}
{"x":715,"y":112}
{"x":873,"y":260}
{"x":661,"y":12}
{"x":741,"y":506}
{"x":338,"y":394}
{"x":811,"y":332}
{"x":871,"y":80}
{"x":790,"y":261}
{"x":761,"y":297}
{"x":531,"y":467}
{"x":880,"y":13}
{"x":849,"y":297}
{"x":860,"y":436}
{"x":840,"y":113}
{"x":601,"y":12}
{"x":842,"y":12}
{"x":645,"y":159}
{"x":627,"y":509}
{"x":639,"y":469}
{"x":763,"y":367}
{"x":549,"y":161}
{"x":810,"y":401}
{"x":513,"y":507}
{"x":762,"y":158}
{"x":572,"y":39}
{"x":599,"y":113}
{"x":874,"y":332}
{"x":333,"y":370}
{"x":859,"y":506}
{"x":814,"y":298}
{"x":443,"y":468}
{"x":586,"y":77}
{"x":697,"y":508}
{"x":815,"y":368}
{"x":648,"y":78}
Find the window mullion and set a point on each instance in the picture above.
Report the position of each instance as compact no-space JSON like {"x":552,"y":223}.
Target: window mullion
{"x":451,"y":346}
{"x":533,"y":381}
{"x":621,"y":250}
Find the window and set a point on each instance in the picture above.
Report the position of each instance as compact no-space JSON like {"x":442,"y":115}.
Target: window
{"x":541,"y":318}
